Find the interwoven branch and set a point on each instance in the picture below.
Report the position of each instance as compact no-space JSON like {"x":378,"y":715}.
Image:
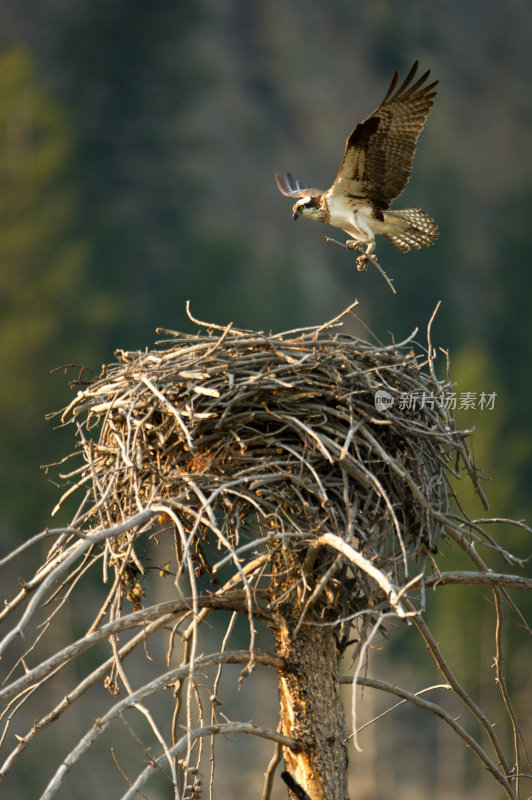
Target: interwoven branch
{"x":276,"y":436}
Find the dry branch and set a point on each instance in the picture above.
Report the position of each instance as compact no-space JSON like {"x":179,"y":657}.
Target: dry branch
{"x":282,"y":491}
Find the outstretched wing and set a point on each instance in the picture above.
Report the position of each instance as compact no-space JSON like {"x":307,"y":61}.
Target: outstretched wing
{"x":380,"y":151}
{"x":291,"y":188}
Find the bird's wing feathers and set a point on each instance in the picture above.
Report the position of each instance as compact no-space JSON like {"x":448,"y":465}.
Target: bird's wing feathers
{"x":379,"y":152}
{"x":288,"y":186}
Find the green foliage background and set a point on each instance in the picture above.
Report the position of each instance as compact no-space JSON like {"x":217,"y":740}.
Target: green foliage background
{"x":137,"y":147}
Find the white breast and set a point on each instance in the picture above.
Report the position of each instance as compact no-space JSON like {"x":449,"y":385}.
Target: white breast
{"x":354,"y":222}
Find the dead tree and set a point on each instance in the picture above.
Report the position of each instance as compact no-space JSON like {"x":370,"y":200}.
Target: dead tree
{"x":300,"y":480}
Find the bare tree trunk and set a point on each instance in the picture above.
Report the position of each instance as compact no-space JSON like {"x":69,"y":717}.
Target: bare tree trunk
{"x":310,"y":705}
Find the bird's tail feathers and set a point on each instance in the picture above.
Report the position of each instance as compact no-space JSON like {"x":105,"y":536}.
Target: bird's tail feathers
{"x":419,"y":230}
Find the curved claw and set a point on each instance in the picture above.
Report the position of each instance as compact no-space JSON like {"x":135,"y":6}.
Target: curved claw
{"x":363,"y":261}
{"x":353,"y":244}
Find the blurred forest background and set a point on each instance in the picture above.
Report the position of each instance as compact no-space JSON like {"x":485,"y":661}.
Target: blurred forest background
{"x":138,"y":143}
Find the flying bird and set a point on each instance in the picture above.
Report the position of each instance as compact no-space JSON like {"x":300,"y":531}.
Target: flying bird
{"x":374,"y":171}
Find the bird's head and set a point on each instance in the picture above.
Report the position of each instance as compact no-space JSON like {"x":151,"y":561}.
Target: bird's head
{"x":307,"y":207}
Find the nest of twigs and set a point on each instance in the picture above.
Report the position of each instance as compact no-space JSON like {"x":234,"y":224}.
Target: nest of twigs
{"x":243,"y":440}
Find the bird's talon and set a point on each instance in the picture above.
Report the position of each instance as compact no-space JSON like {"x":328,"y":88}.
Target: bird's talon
{"x":351,"y":244}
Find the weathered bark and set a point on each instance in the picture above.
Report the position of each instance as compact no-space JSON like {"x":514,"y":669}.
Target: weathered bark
{"x":311,"y":710}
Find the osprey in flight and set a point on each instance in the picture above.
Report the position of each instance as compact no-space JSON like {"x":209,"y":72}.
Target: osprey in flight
{"x":375,"y":169}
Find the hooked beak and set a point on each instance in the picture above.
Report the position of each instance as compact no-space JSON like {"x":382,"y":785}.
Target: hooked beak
{"x":296,"y":214}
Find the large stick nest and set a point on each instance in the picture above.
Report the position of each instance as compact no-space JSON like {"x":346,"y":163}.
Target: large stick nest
{"x":236,"y":436}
